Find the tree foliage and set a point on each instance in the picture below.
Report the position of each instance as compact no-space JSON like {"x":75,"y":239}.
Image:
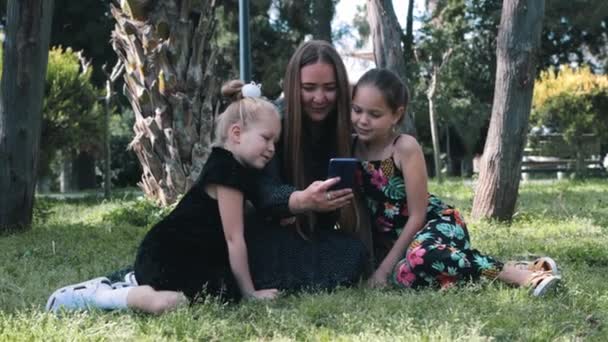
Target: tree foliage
{"x":72,"y":120}
{"x":85,"y":25}
{"x":572,"y":101}
{"x":575,"y":31}
{"x":465,"y":90}
{"x":276,"y":29}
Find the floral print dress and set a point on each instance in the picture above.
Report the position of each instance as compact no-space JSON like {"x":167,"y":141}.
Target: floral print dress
{"x":440,"y":254}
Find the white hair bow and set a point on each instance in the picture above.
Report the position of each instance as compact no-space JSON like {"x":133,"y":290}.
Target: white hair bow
{"x":252,"y":90}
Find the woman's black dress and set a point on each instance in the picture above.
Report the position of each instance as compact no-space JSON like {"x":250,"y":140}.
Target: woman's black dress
{"x":187,"y":251}
{"x":279,"y":257}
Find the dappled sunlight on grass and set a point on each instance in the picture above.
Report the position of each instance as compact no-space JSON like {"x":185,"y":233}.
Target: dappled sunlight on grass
{"x":74,"y":240}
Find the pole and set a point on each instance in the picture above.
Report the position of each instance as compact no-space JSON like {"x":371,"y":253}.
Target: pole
{"x":244,"y":44}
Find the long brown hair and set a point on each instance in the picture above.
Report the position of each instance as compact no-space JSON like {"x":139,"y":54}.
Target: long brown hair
{"x":338,"y":122}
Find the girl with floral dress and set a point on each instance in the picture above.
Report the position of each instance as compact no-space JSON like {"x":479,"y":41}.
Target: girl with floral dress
{"x":418,"y":240}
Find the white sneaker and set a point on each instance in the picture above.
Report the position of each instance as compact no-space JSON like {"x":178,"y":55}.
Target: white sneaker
{"x":130,"y":278}
{"x":79,"y":296}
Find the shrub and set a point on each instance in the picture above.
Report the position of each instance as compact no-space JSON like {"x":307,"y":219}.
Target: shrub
{"x":72,"y":119}
{"x":571,"y":101}
{"x":126,"y":170}
{"x":141,"y":212}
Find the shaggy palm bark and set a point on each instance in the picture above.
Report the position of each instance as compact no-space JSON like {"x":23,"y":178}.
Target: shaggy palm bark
{"x":26,"y":50}
{"x":517,"y":49}
{"x":166,"y":47}
{"x":388,"y":52}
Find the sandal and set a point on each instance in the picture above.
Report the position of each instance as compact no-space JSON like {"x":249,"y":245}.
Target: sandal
{"x":546,"y":264}
{"x":77,"y":296}
{"x":541,"y":282}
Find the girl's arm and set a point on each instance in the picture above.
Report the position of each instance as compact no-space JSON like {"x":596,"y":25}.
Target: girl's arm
{"x":230,"y":203}
{"x":409,"y":156}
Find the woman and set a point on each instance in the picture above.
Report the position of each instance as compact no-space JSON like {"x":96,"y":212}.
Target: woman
{"x":316,"y":127}
{"x":296,"y":236}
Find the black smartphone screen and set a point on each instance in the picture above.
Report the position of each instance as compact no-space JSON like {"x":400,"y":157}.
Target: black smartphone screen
{"x":345,"y":168}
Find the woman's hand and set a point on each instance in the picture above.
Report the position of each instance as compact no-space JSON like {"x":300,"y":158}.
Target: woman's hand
{"x":264,"y":294}
{"x":318,"y":197}
{"x":378,"y":280}
{"x":288,"y":221}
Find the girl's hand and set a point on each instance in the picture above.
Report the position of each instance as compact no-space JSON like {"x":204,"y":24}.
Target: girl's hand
{"x":318,"y":196}
{"x":378,"y":280}
{"x":264,"y":294}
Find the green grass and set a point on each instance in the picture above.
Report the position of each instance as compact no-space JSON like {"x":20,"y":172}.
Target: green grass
{"x":77,"y":239}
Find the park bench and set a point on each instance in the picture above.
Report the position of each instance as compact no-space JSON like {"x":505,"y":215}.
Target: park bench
{"x":550,"y":153}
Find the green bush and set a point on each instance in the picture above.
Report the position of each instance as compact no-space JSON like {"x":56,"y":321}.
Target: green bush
{"x":125,"y":168}
{"x":72,"y":118}
{"x":573,"y":102}
{"x":141,"y":212}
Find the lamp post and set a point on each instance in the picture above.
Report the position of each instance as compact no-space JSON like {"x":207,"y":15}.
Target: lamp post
{"x":244,"y":45}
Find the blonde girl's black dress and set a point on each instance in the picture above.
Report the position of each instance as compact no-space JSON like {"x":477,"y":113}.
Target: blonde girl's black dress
{"x":187,"y":251}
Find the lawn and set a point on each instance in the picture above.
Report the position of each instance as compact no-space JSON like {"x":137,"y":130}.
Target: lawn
{"x":76,"y":239}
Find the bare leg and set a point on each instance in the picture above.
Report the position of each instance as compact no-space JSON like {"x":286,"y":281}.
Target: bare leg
{"x":514,"y":275}
{"x":145,"y":298}
{"x":539,"y":282}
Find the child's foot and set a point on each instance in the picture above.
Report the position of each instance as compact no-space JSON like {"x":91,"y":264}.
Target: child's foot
{"x":78,"y":296}
{"x":542,"y":282}
{"x":545,"y":264}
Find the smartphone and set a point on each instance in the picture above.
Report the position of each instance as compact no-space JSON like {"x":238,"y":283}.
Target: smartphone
{"x":345,"y":168}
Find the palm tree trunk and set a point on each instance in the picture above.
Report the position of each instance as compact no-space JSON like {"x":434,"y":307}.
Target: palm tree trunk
{"x":171,"y":83}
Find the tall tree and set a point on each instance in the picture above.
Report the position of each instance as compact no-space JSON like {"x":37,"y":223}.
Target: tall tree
{"x":82,"y":25}
{"x":575,"y":31}
{"x":310,"y":16}
{"x":322,"y":15}
{"x":430,"y":95}
{"x":25,"y":58}
{"x":85,"y":25}
{"x":171,"y":83}
{"x":408,"y":38}
{"x":387,"y":37}
{"x":71,"y":119}
{"x":517,"y":51}
{"x":273,"y":39}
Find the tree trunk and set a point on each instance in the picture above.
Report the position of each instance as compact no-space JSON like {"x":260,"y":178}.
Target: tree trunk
{"x":433,"y":121}
{"x":408,"y":39}
{"x":517,"y":49}
{"x":83,"y":171}
{"x":430,"y":94}
{"x":66,"y":179}
{"x":107,"y":151}
{"x":26,"y":50}
{"x":388,"y":53}
{"x":323,"y":13}
{"x":171,"y":83}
